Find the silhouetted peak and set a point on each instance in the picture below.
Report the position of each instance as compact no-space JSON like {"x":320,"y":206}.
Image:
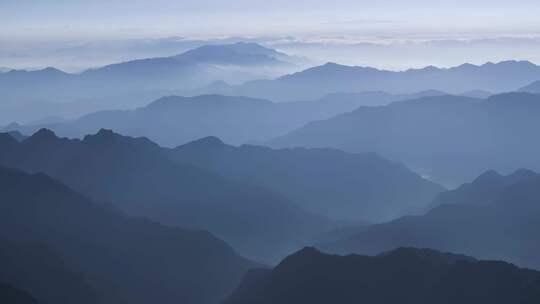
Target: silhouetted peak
{"x":250,"y":48}
{"x":106,"y":137}
{"x":43,"y":135}
{"x":52,"y":70}
{"x":504,"y":64}
{"x":208,"y":142}
{"x":103,"y":136}
{"x":522,"y":63}
{"x":524,"y":173}
{"x":309,"y":251}
{"x":330,"y":65}
{"x":430,"y":68}
{"x":105,"y":133}
{"x":166,"y":101}
{"x":305,"y":255}
{"x":488,"y":177}
{"x":239,"y":47}
{"x":467,"y":66}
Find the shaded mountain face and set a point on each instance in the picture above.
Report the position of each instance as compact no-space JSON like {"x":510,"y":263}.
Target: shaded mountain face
{"x":532,"y":88}
{"x":450,"y":139}
{"x":18,"y":136}
{"x":37,"y":268}
{"x":405,"y":275}
{"x":483,"y":190}
{"x":172,"y":121}
{"x":12,"y":295}
{"x":495,"y":217}
{"x":137,"y":176}
{"x":316,"y":82}
{"x":354,"y":187}
{"x":63,"y":248}
{"x":32,"y":95}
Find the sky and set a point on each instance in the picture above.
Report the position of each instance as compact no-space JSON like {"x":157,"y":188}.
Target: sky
{"x":56,"y":23}
{"x":47,"y":19}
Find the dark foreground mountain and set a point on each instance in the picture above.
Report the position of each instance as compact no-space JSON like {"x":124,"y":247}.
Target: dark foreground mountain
{"x":63,"y":248}
{"x":137,"y":176}
{"x":11,"y":295}
{"x":174,"y":120}
{"x":405,"y":275}
{"x":451,"y":139}
{"x":17,"y":135}
{"x":495,"y":217}
{"x":357,"y":187}
{"x":34,"y":266}
{"x":316,"y":82}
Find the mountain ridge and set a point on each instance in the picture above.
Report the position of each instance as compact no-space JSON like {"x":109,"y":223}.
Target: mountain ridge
{"x":495,"y":218}
{"x":403,"y":275}
{"x":475,"y":134}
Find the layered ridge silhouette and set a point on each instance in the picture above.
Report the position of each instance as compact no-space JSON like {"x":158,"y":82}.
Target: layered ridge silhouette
{"x":494,"y":217}
{"x":64,"y":248}
{"x":405,"y":275}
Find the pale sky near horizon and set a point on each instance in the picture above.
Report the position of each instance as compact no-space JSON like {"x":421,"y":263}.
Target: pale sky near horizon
{"x":77,"y":34}
{"x":54,"y":19}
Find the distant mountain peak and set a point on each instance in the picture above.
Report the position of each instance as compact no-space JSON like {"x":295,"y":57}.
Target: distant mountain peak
{"x":209,"y":141}
{"x":333,"y":65}
{"x":523,"y":174}
{"x":301,"y":257}
{"x":52,"y":70}
{"x":488,"y":177}
{"x":240,"y":53}
{"x":43,"y":135}
{"x":102,"y":136}
{"x":309,"y":251}
{"x":109,"y":137}
{"x":105,"y":133}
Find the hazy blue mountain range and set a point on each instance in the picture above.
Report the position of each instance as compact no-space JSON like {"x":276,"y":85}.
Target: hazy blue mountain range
{"x":257,"y":189}
{"x":174,"y":120}
{"x":404,"y":275}
{"x":450,"y":139}
{"x":353,"y":187}
{"x":32,"y":95}
{"x":532,"y":88}
{"x":64,"y":248}
{"x":138,"y":177}
{"x":494,"y":217}
{"x":330,"y":78}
